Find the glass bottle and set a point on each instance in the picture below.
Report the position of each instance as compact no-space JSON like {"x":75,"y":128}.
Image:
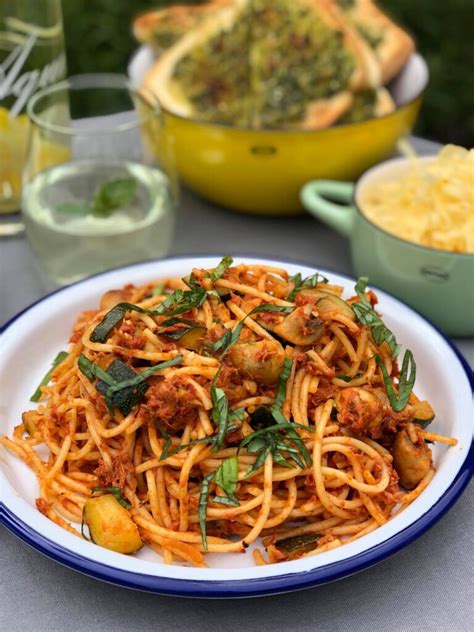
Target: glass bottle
{"x":31,"y":57}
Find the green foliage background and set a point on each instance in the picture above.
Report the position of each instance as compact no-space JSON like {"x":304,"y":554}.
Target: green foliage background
{"x":98,"y":39}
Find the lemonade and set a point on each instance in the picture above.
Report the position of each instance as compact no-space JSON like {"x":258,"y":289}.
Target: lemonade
{"x":13,"y":139}
{"x":71,"y":244}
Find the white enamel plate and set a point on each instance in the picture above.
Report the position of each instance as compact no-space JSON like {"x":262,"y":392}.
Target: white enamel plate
{"x":34,"y":337}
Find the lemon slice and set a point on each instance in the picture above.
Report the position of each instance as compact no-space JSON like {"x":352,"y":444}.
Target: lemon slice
{"x":43,"y":153}
{"x":13,"y":140}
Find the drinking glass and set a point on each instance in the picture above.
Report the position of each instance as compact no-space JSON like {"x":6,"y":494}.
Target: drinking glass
{"x":95,"y":195}
{"x":31,"y":57}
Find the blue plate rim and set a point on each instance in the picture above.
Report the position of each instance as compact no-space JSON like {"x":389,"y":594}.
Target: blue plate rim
{"x":249,"y":587}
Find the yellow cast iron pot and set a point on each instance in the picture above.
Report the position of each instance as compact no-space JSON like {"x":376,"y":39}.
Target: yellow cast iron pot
{"x":262,"y":172}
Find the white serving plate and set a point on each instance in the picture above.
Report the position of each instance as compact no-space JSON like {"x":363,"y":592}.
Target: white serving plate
{"x":32,"y":339}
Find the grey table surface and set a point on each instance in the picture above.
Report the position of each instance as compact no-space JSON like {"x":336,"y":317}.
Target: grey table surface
{"x":426,"y":586}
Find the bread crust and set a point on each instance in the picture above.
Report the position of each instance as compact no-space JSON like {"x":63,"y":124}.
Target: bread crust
{"x":326,"y":112}
{"x":367,"y":72}
{"x":144,"y":26}
{"x":397,"y":45}
{"x":385,"y":104}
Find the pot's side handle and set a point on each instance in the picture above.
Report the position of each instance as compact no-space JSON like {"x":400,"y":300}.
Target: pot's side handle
{"x":340,"y":217}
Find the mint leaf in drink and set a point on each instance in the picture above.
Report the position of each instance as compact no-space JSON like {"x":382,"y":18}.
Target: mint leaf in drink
{"x":109,"y":197}
{"x":113,"y":195}
{"x":73,"y":208}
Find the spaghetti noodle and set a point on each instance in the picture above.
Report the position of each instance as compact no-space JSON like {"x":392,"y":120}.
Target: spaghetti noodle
{"x":198,"y":415}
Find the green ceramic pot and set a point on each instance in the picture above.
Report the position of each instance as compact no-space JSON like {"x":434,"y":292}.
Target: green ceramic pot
{"x":437,"y":283}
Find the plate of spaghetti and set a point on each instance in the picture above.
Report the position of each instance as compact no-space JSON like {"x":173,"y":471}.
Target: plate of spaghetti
{"x":218,"y":428}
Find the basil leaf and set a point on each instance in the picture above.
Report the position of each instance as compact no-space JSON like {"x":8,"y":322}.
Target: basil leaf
{"x":113,"y":195}
{"x":91,"y":370}
{"x":191,"y":282}
{"x":237,"y":414}
{"x":270,"y":440}
{"x":366,"y":315}
{"x":225,"y":263}
{"x":405,"y":384}
{"x":220,"y":407}
{"x":282,"y":380}
{"x":280,"y":460}
{"x":345,"y":378}
{"x":226,"y":500}
{"x":180,"y":302}
{"x":158,"y":290}
{"x":230,"y":338}
{"x":381,"y":333}
{"x":255,"y":445}
{"x":259,"y":461}
{"x":116,"y":492}
{"x":360,"y":288}
{"x":300,"y":283}
{"x":202,"y":505}
{"x":227,"y":475}
{"x":62,"y":355}
{"x":166,"y":448}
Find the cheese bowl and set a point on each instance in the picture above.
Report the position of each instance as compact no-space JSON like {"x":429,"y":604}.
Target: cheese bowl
{"x":437,"y":283}
{"x":262,"y":171}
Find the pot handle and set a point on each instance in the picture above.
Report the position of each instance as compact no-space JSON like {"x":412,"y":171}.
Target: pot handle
{"x":341,"y":218}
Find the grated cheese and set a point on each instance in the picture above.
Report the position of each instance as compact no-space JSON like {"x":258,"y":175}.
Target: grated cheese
{"x":431,"y":205}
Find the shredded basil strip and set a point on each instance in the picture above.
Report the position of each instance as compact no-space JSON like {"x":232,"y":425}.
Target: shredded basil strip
{"x":176,"y":303}
{"x":165,"y":453}
{"x":270,"y":440}
{"x":62,"y":355}
{"x":191,"y":282}
{"x":209,"y":439}
{"x":91,"y":370}
{"x":225,"y":263}
{"x":225,"y":500}
{"x":405,"y":383}
{"x":202,"y":505}
{"x":230,"y":338}
{"x":345,"y":378}
{"x":300,"y":283}
{"x":280,"y":418}
{"x":221,"y":415}
{"x":220,"y":409}
{"x":158,"y":290}
{"x":226,"y":478}
{"x":366,"y":315}
{"x":282,"y":380}
{"x":116,"y":492}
